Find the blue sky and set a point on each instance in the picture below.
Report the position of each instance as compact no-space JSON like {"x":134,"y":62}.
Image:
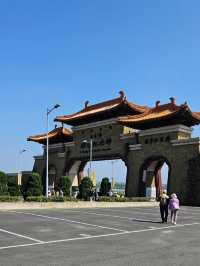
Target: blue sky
{"x":67,"y":52}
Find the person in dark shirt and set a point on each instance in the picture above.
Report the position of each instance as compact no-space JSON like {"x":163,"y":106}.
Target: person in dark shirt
{"x":164,"y":202}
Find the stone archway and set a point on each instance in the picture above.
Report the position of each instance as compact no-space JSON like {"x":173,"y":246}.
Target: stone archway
{"x":150,"y":179}
{"x":113,"y":168}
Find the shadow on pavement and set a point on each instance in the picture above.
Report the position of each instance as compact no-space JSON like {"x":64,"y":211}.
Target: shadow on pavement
{"x":145,"y":221}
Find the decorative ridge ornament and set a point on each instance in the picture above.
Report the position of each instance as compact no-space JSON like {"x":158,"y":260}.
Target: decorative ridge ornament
{"x":185,"y":106}
{"x":157,"y":103}
{"x":122,"y":94}
{"x":172,"y":100}
{"x":86,"y":103}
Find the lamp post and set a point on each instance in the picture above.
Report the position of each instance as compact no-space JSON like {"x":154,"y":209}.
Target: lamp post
{"x":20,"y":170}
{"x":47,"y":148}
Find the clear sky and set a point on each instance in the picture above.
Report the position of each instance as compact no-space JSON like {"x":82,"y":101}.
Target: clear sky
{"x":70,"y":51}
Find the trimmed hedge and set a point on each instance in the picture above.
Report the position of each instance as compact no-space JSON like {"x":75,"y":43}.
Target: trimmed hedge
{"x":115,"y":199}
{"x":49,"y":199}
{"x":8,"y":198}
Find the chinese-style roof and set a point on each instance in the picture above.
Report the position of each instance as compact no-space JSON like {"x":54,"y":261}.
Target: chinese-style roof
{"x":104,"y":110}
{"x":57,"y":135}
{"x":163,"y":115}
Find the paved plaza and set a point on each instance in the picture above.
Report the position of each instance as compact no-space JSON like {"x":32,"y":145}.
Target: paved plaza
{"x":98,"y":236}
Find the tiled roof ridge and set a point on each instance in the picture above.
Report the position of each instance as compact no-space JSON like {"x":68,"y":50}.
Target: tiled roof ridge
{"x":92,"y":107}
{"x":102,"y":104}
{"x":138,"y":107}
{"x":196,"y":114}
{"x":158,"y":108}
{"x":51,"y":133}
{"x":116,"y":101}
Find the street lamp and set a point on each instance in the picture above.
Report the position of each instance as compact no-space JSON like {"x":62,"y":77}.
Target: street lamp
{"x":47,"y":148}
{"x":20,"y":170}
{"x":91,"y":146}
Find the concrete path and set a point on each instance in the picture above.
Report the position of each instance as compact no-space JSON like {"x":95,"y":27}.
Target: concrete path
{"x":70,"y":205}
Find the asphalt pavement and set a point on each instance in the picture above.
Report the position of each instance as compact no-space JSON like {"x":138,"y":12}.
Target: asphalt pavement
{"x":94,"y":237}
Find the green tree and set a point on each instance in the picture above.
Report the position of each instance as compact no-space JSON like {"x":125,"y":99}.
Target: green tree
{"x":33,"y":186}
{"x":105,"y":186}
{"x":65,"y":184}
{"x":13,"y":187}
{"x":85,"y":188}
{"x":3,"y":183}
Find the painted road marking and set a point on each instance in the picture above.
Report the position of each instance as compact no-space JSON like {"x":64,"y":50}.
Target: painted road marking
{"x":69,"y":221}
{"x":121,"y":217}
{"x":132,"y":211}
{"x":155,"y":212}
{"x":167,"y":231}
{"x":97,"y":236}
{"x":19,"y":235}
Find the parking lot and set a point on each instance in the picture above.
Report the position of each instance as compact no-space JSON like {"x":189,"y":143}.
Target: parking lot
{"x":98,"y":236}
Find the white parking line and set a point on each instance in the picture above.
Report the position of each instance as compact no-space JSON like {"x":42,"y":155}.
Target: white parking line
{"x":23,"y":236}
{"x":155,"y":212}
{"x":99,"y":236}
{"x":120,"y":217}
{"x":132,"y":218}
{"x":132,"y":211}
{"x":85,"y":235}
{"x":69,"y":221}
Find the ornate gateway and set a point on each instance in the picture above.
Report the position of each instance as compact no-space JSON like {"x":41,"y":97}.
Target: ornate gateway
{"x":143,"y":137}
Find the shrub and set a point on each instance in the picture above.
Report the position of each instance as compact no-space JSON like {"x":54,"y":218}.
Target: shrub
{"x":65,"y":184}
{"x":33,"y":186}
{"x":85,"y":188}
{"x":105,"y":186}
{"x":13,"y":188}
{"x":49,"y":199}
{"x":7,"y":198}
{"x":116,"y":199}
{"x":3,"y":184}
{"x":36,"y":198}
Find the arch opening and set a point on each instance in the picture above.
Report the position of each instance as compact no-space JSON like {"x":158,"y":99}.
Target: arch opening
{"x":115,"y":170}
{"x":154,"y":177}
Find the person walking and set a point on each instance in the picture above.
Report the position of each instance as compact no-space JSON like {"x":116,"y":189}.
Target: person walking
{"x":174,"y":207}
{"x":164,"y":202}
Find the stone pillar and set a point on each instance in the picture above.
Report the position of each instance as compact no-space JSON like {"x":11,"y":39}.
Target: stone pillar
{"x":132,"y":180}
